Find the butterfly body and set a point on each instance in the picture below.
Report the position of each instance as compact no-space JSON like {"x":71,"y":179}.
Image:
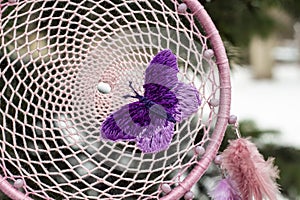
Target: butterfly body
{"x":150,"y":120}
{"x":149,"y":104}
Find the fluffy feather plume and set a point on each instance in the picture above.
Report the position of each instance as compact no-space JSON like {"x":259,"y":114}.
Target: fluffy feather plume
{"x":251,"y":174}
{"x":224,"y":190}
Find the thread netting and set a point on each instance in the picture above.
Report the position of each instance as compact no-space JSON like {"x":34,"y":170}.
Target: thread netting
{"x":54,"y":55}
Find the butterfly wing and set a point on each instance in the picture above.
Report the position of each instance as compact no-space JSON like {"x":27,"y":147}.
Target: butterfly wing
{"x":162,"y":69}
{"x":162,"y":87}
{"x":126,"y":123}
{"x":135,"y":122}
{"x":163,"y":96}
{"x":110,"y":130}
{"x":149,"y":126}
{"x":160,"y":77}
{"x":188,"y":100}
{"x":167,"y":58}
{"x":157,"y":140}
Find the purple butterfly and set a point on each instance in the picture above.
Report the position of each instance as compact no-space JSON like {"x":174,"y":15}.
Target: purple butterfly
{"x":150,"y":120}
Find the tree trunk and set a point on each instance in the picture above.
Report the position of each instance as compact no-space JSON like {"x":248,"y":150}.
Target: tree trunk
{"x":261,"y":58}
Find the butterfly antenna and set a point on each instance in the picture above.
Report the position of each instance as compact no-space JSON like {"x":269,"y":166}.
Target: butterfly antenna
{"x":127,"y":96}
{"x":136,"y":93}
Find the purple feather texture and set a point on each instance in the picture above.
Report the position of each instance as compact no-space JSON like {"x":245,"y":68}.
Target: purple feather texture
{"x":224,"y":190}
{"x":150,"y":120}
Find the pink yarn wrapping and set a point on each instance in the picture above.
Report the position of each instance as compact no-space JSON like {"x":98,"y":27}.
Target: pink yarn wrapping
{"x":223,"y":112}
{"x":225,"y":99}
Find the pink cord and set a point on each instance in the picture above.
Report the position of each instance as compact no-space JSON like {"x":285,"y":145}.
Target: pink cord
{"x":10,"y":191}
{"x":88,"y":76}
{"x":225,"y":99}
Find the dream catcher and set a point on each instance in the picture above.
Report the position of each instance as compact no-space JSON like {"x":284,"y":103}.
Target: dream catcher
{"x":118,"y":100}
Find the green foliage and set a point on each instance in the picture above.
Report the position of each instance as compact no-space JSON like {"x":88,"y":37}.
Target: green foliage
{"x":239,"y":20}
{"x":292,"y":7}
{"x":288,"y":161}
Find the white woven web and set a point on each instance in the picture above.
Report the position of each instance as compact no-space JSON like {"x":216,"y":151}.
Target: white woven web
{"x":53,"y":55}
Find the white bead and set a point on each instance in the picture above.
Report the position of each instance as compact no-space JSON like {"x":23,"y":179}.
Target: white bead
{"x":182,"y":8}
{"x":103,"y":88}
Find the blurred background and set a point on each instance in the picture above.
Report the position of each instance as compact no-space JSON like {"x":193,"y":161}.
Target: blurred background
{"x":262,"y":38}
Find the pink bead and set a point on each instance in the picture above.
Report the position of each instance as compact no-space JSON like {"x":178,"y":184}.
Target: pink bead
{"x":18,"y":183}
{"x":182,"y":8}
{"x":232,"y":119}
{"x":218,"y":160}
{"x":214,"y":102}
{"x":12,"y":1}
{"x":166,"y":188}
{"x":208,"y":54}
{"x":199,"y":150}
{"x":189,"y":195}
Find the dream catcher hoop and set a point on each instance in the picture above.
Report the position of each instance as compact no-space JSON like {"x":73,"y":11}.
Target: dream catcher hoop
{"x":66,"y":66}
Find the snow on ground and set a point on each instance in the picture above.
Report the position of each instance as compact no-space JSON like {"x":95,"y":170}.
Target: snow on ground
{"x":272,"y":104}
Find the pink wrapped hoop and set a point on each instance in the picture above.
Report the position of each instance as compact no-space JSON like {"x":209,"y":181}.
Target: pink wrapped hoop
{"x":54,"y":59}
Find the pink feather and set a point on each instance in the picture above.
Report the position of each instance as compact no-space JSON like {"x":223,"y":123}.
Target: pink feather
{"x":224,"y":190}
{"x":252,"y":175}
